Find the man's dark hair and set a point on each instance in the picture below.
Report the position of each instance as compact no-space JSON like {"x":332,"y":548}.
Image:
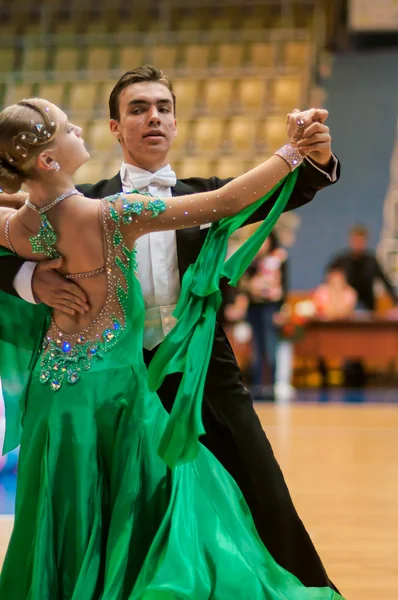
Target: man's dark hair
{"x":360,"y":230}
{"x":139,"y":75}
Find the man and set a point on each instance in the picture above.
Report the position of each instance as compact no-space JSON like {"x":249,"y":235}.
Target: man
{"x":362,"y":268}
{"x":142,"y":111}
{"x":362,"y":271}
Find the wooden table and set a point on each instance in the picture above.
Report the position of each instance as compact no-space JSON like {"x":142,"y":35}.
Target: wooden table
{"x":372,"y":339}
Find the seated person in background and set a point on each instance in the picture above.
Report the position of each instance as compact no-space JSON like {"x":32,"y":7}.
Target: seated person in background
{"x":335,"y":299}
{"x":362,"y":269}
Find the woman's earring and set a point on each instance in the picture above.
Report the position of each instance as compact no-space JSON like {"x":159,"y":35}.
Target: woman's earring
{"x":56,"y":166}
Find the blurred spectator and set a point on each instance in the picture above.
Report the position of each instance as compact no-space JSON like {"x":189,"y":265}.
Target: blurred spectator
{"x":335,"y":299}
{"x":363,"y":269}
{"x":265,"y":285}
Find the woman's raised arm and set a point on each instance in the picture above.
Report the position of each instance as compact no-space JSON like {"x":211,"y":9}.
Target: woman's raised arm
{"x":141,"y":214}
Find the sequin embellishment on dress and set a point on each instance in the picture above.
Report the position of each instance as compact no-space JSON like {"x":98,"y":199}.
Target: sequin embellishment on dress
{"x":66,"y":356}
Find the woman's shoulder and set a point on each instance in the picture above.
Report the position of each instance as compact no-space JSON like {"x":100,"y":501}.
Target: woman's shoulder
{"x":86,"y":210}
{"x":5,"y":211}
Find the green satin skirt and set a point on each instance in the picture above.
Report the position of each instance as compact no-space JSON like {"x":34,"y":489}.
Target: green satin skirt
{"x":100,"y":516}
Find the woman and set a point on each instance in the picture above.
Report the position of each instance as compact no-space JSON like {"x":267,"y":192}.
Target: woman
{"x":265,"y":284}
{"x":99,"y":515}
{"x":335,"y":298}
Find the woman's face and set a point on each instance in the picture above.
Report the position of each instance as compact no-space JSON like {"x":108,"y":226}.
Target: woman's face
{"x":336,"y":279}
{"x":69,"y":150}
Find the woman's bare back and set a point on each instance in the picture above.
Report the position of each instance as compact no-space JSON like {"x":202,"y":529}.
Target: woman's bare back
{"x":79,"y":227}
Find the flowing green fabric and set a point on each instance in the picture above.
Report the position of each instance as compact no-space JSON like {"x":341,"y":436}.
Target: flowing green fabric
{"x":99,"y":515}
{"x":21,"y":329}
{"x":187,"y":348}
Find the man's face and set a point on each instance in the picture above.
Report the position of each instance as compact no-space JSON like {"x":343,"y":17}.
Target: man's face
{"x":358,"y":242}
{"x":147,"y":127}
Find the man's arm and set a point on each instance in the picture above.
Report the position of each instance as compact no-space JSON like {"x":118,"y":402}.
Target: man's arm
{"x":387,"y":283}
{"x":9,"y":268}
{"x":46,"y":286}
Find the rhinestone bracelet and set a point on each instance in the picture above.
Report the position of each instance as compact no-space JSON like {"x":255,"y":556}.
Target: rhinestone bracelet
{"x":291,"y":155}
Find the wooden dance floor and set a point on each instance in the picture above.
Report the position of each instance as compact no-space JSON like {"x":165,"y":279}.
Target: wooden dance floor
{"x":341,"y":465}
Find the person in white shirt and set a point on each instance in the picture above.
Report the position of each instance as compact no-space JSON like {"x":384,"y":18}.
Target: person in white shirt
{"x":143,"y":119}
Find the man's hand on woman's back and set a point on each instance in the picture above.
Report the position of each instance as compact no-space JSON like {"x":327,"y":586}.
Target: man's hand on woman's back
{"x":50,"y":287}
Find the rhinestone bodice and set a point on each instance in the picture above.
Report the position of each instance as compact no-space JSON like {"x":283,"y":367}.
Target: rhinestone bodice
{"x":86,"y":274}
{"x":66,"y":356}
{"x":44,"y":242}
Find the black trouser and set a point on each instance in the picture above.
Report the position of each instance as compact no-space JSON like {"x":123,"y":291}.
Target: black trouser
{"x":235,"y":436}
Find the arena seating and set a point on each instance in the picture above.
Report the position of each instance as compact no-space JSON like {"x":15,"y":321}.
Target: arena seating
{"x":236,"y":70}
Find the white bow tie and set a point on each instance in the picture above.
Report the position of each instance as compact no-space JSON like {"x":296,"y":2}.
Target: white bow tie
{"x":140,"y":181}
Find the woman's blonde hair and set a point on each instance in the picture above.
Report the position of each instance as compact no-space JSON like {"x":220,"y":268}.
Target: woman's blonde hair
{"x":26,"y":129}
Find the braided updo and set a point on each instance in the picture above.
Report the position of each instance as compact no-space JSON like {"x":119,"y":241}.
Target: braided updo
{"x":26,"y":129}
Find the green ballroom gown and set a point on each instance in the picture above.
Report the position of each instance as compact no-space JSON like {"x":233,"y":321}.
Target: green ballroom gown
{"x":117,"y":499}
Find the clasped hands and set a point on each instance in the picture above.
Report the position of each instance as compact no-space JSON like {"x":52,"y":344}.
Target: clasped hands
{"x":315,"y":142}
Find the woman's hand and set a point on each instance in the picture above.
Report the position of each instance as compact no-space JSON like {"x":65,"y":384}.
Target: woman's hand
{"x":315,"y":139}
{"x":297,"y":122}
{"x":237,"y":311}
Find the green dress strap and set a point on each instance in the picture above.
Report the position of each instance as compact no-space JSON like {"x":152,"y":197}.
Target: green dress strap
{"x":187,"y":348}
